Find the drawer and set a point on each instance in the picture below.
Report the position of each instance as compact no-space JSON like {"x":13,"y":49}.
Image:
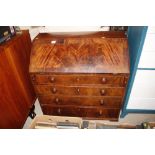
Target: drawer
{"x":109,"y":102}
{"x":80,"y":90}
{"x":99,"y":113}
{"x":110,"y":80}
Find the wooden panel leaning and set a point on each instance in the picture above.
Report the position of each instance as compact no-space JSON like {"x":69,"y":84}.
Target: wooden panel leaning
{"x":16,"y":90}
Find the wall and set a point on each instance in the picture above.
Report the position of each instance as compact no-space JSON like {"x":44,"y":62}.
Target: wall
{"x":34,"y":30}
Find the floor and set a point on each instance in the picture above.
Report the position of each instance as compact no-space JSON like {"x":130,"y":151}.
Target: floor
{"x":134,"y":119}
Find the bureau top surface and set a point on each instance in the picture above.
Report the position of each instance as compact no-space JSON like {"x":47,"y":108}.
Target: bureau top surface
{"x":102,"y":52}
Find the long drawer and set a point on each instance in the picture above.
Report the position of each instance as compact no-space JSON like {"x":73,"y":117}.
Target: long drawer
{"x":85,"y":112}
{"x":108,"y":102}
{"x":80,"y":90}
{"x":85,"y":79}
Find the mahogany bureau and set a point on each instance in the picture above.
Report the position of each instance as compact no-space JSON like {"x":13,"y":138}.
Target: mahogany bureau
{"x":80,"y":75}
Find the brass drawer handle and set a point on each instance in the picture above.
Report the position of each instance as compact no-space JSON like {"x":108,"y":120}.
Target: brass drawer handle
{"x":57,"y":100}
{"x":54,"y":90}
{"x":51,"y":79}
{"x":104,"y":80}
{"x":101,"y":102}
{"x":59,"y":111}
{"x":33,"y":77}
{"x":100,"y":113}
{"x":102,"y":92}
{"x":78,"y":90}
{"x":78,"y":79}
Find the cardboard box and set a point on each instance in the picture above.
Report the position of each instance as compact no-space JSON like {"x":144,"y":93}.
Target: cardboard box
{"x":56,"y":122}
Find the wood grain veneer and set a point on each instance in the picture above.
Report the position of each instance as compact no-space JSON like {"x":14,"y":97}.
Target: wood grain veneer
{"x":80,"y":75}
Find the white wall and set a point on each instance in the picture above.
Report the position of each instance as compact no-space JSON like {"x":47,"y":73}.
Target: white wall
{"x":34,"y":30}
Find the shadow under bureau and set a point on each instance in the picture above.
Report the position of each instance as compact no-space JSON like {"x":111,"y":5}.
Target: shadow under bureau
{"x":80,"y":75}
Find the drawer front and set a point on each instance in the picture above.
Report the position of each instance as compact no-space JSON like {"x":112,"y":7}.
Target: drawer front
{"x":79,"y":91}
{"x":80,"y":112}
{"x":109,"y":102}
{"x":78,"y":79}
